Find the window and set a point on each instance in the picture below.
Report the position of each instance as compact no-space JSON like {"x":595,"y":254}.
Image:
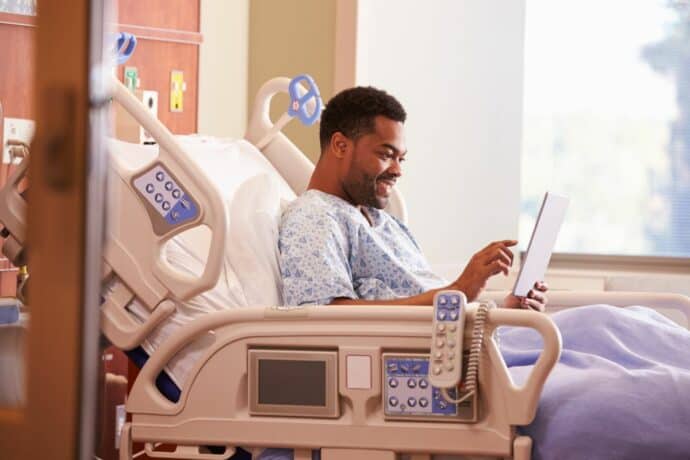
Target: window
{"x":607,"y":123}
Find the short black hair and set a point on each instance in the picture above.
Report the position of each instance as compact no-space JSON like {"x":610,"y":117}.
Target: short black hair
{"x":352,"y":112}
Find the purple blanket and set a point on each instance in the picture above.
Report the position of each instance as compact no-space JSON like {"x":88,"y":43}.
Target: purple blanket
{"x":621,"y":389}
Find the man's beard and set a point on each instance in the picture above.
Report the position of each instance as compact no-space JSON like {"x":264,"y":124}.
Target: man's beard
{"x":362,"y":191}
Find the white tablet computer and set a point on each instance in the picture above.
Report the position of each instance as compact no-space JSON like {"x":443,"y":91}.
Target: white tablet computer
{"x":541,"y":244}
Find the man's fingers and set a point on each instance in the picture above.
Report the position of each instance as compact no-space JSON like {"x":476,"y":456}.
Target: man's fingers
{"x":532,"y":304}
{"x":506,"y":243}
{"x":509,"y":254}
{"x":498,"y":251}
{"x":536,"y":295}
{"x":541,"y":286}
{"x":498,"y":266}
{"x":500,"y":255}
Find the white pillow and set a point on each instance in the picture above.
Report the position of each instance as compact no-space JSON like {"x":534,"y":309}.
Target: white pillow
{"x":252,"y":245}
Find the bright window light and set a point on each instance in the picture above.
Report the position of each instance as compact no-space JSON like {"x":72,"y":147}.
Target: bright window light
{"x":607,"y":123}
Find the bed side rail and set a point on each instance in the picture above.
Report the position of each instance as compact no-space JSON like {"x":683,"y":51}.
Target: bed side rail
{"x":166,"y":196}
{"x":145,"y":398}
{"x":559,"y":300}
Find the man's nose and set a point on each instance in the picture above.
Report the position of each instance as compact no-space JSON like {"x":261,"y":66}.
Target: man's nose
{"x":395,"y":169}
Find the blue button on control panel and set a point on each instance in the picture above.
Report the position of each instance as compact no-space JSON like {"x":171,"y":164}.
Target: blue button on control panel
{"x":407,"y":392}
{"x":448,"y":307}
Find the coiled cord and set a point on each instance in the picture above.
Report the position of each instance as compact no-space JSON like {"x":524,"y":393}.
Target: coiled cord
{"x":474,"y":360}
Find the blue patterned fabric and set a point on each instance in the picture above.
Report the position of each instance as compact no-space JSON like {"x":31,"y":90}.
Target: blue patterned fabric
{"x":328,"y":250}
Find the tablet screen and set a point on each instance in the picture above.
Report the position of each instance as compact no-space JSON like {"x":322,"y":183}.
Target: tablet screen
{"x":541,"y":244}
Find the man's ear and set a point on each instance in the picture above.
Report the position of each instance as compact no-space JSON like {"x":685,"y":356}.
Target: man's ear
{"x":340,"y":145}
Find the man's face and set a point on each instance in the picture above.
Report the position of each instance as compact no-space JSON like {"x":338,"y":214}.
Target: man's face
{"x":375,"y":164}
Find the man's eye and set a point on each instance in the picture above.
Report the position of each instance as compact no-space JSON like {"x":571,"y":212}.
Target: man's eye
{"x":401,"y":159}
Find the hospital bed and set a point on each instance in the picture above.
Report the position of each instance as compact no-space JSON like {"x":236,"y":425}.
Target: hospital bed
{"x":316,"y":377}
{"x":235,"y":392}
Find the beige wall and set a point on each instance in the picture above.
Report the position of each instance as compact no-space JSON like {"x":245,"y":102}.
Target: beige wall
{"x":287,"y":38}
{"x":223,"y":68}
{"x":458,"y":72}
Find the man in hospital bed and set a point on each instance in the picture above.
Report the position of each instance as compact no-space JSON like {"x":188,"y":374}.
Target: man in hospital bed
{"x":620,"y":389}
{"x":339,"y":246}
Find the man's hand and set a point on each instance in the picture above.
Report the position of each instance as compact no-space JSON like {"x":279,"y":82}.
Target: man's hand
{"x":535,"y":300}
{"x":494,"y":259}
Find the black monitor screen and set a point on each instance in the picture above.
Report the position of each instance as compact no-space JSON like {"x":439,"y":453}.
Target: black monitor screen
{"x":299,"y":383}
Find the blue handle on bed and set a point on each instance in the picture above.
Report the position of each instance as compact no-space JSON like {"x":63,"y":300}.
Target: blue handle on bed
{"x":126,"y":43}
{"x":298,"y":104}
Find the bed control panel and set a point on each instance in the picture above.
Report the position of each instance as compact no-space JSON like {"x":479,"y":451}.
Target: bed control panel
{"x":167,"y":202}
{"x":446,"y":343}
{"x":408,"y":394}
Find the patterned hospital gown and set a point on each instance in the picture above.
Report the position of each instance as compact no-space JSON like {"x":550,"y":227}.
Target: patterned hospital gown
{"x":328,"y":250}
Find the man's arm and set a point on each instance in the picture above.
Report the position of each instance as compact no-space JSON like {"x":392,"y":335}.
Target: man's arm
{"x":425,"y":298}
{"x":494,"y":259}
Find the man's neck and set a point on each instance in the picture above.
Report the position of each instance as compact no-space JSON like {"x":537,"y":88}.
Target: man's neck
{"x":322,"y":179}
{"x":335,"y":189}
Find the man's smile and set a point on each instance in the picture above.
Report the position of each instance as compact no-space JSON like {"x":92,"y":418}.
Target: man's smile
{"x":384,"y":186}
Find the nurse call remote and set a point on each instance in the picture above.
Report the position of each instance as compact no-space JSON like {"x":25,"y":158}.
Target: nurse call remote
{"x":448,"y":326}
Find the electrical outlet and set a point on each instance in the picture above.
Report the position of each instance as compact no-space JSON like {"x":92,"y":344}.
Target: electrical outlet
{"x":150,"y":100}
{"x":17,"y":129}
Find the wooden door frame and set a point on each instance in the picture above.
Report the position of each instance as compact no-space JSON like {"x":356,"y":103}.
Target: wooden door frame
{"x":65,"y":217}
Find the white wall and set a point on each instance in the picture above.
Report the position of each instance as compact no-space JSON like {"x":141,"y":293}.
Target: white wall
{"x":457,"y":68}
{"x":223,"y":68}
